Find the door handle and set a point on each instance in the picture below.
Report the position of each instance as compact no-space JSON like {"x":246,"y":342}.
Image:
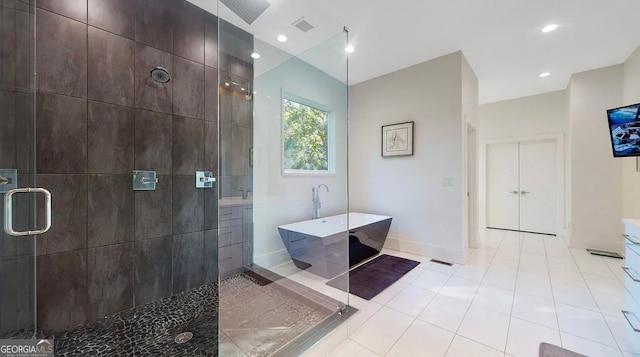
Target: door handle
{"x":631,"y":239}
{"x":524,"y":192}
{"x":8,"y":211}
{"x":514,"y":192}
{"x":627,"y":316}
{"x":628,"y":271}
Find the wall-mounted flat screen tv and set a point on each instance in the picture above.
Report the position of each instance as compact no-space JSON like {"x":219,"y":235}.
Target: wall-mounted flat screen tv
{"x":624,"y":125}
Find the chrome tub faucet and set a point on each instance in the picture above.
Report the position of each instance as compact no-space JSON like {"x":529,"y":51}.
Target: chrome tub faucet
{"x":315,"y":198}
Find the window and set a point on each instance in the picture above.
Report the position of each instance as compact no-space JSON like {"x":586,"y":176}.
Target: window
{"x":307,"y":137}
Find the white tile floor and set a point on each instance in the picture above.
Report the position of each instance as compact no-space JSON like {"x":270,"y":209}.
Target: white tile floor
{"x":516,"y":291}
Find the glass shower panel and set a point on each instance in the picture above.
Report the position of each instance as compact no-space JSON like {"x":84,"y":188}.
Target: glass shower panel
{"x":282,"y":222}
{"x":17,"y":170}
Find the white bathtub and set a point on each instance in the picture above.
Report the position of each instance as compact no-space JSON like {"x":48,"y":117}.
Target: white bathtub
{"x":323,"y":247}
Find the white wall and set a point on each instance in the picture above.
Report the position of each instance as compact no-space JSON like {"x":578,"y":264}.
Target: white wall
{"x":526,"y":116}
{"x":596,"y":177}
{"x":282,"y":199}
{"x":427,"y":216}
{"x":631,"y":177}
{"x":470,"y":106}
{"x":535,"y":115}
{"x":470,"y":162}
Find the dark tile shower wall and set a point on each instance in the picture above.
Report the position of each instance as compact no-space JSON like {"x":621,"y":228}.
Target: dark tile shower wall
{"x":236,"y":111}
{"x":99,"y":116}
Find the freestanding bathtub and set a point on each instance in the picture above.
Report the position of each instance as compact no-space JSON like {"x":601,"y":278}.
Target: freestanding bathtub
{"x":323,"y":247}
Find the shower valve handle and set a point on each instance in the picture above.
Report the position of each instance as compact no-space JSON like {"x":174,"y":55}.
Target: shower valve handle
{"x":148,"y":180}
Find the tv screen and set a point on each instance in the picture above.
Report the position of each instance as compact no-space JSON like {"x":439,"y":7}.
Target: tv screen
{"x":624,"y":125}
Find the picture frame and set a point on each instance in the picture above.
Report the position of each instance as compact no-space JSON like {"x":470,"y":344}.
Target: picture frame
{"x":397,"y":139}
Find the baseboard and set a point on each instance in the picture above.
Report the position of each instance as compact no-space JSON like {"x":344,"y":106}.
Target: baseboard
{"x":617,"y":247}
{"x":482,"y":239}
{"x":272,"y":259}
{"x":428,"y":250}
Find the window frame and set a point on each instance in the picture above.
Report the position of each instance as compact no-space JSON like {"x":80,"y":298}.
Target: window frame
{"x":331,"y":158}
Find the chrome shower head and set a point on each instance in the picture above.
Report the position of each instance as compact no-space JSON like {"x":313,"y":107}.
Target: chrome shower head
{"x":160,"y":75}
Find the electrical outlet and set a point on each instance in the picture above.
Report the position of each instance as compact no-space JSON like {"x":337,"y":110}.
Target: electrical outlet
{"x":447,"y":181}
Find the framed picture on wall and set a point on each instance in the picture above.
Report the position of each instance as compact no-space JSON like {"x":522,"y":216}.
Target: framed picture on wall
{"x":397,"y":139}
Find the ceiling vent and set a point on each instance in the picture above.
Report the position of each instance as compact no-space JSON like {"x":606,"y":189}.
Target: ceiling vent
{"x":248,"y":10}
{"x":303,"y":25}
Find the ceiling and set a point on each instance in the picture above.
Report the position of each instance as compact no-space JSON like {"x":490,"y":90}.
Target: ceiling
{"x":501,"y":39}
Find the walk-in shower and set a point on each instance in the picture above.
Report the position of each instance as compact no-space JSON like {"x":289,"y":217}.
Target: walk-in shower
{"x":157,"y":134}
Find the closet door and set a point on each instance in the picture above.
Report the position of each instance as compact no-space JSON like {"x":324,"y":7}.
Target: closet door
{"x":538,"y":186}
{"x":502,"y":186}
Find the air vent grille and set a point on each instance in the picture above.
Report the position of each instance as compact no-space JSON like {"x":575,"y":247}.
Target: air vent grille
{"x":248,"y":10}
{"x":303,"y":25}
{"x":441,"y":262}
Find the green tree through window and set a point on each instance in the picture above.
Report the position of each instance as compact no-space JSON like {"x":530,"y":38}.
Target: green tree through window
{"x":305,"y":137}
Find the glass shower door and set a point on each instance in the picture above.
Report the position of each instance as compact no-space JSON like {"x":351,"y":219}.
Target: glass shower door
{"x":283,"y":163}
{"x":17,"y":170}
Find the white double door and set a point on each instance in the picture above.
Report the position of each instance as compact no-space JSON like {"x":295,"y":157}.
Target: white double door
{"x":521,"y":186}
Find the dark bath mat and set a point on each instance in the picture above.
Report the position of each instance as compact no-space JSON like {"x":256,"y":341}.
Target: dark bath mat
{"x":359,"y":252}
{"x":549,"y":350}
{"x":371,"y":278}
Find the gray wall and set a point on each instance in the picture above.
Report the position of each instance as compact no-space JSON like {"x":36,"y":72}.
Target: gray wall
{"x":427,"y":216}
{"x":595,"y":175}
{"x":630,"y":175}
{"x":236,"y":110}
{"x":99,"y":116}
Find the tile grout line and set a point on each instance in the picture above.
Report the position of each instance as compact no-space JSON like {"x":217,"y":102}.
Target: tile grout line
{"x":553,"y":294}
{"x":596,"y":303}
{"x":469,"y":307}
{"x":547,"y":249}
{"x":361,"y":345}
{"x":513,"y":300}
{"x":622,"y":352}
{"x":416,"y":317}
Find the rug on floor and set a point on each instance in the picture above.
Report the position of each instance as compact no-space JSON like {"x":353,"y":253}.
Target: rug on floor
{"x":549,"y":350}
{"x":371,"y":278}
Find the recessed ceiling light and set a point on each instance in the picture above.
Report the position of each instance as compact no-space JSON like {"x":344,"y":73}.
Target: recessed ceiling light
{"x":544,"y":74}
{"x":550,"y":28}
{"x":349,"y":49}
{"x":282,"y":38}
{"x":255,"y":55}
